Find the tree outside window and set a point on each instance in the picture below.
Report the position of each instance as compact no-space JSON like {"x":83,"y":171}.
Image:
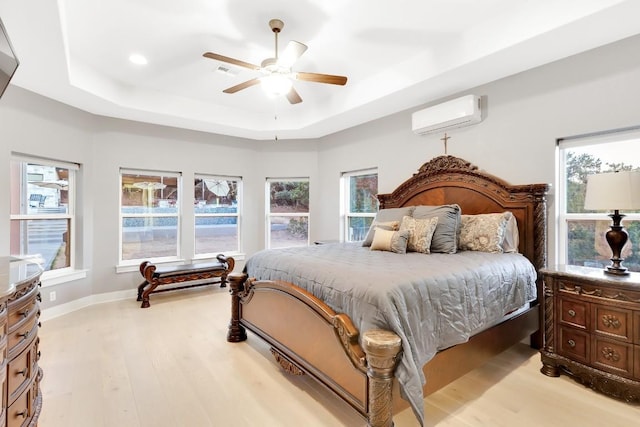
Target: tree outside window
{"x":287,"y":212}
{"x":360,"y":204}
{"x":582,"y":232}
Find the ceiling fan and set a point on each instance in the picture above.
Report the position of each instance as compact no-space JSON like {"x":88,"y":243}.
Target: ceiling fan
{"x":277,"y":78}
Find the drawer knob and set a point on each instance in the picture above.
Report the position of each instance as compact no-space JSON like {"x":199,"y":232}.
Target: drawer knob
{"x":610,"y":321}
{"x":23,"y":414}
{"x":610,"y":354}
{"x":572,"y":313}
{"x":39,"y":297}
{"x":571,"y":343}
{"x":24,"y":335}
{"x":24,"y":313}
{"x":23,"y":372}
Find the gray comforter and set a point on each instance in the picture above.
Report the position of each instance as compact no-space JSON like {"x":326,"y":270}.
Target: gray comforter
{"x":431,"y":301}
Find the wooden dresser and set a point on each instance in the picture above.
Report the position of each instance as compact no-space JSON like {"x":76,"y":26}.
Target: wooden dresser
{"x":20,"y":374}
{"x":592,"y":329}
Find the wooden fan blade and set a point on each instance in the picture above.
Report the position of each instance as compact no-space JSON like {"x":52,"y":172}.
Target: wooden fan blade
{"x":291,"y":53}
{"x":222,"y":58}
{"x":293,"y":96}
{"x":248,"y":83}
{"x":322,"y":78}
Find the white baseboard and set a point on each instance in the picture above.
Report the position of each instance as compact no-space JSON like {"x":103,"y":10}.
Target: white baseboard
{"x":62,"y":309}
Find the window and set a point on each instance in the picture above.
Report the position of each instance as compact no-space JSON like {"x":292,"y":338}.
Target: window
{"x":149,"y":216}
{"x":42,"y":212}
{"x":360,"y":205}
{"x":581,"y":233}
{"x":217,"y":227}
{"x":287,"y":212}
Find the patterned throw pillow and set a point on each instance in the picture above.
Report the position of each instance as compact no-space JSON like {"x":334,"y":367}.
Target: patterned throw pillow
{"x":484,"y":232}
{"x":420,"y":233}
{"x":392,"y":241}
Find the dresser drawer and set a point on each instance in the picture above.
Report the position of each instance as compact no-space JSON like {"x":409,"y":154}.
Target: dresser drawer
{"x":574,"y":344}
{"x":613,"y":356}
{"x":573,"y":312}
{"x":19,"y":412}
{"x":23,"y":307}
{"x":23,"y":312}
{"x":19,"y":374}
{"x":22,"y":337}
{"x":612,"y":322}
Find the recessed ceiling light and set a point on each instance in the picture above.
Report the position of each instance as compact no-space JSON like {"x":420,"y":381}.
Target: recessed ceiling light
{"x":138,"y":59}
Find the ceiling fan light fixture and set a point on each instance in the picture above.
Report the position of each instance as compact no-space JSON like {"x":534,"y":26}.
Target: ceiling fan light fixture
{"x":277,"y":76}
{"x":276,"y":84}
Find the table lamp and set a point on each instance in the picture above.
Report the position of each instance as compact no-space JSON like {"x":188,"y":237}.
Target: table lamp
{"x":614,"y":191}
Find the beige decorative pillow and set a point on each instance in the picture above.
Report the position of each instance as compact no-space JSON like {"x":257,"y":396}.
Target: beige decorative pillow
{"x":385,"y":216}
{"x":420,"y":233}
{"x":484,"y":232}
{"x":392,"y":241}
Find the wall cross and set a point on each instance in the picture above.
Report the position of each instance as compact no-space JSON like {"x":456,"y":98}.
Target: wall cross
{"x":445,"y":139}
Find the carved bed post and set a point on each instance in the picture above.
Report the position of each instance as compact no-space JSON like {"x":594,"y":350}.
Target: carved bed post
{"x":236,"y":332}
{"x":549,"y":365}
{"x":382,"y":349}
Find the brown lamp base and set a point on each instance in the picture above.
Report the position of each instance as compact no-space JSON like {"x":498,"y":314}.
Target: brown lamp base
{"x":616,"y":237}
{"x":618,"y":271}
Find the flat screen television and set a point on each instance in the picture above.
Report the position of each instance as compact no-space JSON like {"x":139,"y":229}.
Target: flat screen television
{"x":8,"y":60}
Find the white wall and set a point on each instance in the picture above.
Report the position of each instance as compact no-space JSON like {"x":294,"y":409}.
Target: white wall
{"x":526,"y":113}
{"x":38,"y":126}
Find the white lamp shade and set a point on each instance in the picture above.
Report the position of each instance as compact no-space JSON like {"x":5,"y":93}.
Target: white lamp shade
{"x":613,"y":191}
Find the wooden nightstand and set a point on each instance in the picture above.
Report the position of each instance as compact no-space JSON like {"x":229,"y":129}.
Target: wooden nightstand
{"x":592,"y":329}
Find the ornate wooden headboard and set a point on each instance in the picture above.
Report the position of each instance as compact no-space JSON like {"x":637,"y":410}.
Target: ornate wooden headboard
{"x":448,"y":179}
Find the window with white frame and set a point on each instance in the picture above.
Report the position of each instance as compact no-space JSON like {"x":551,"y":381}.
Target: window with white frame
{"x":217,"y":214}
{"x":359,"y":189}
{"x":42,"y":215}
{"x":149,"y":215}
{"x":287,"y":212}
{"x":581,"y":233}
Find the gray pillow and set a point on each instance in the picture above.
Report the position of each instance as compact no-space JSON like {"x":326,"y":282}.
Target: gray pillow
{"x":387,"y":215}
{"x":445,"y":237}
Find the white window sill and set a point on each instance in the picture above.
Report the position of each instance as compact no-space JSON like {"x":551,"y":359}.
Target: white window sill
{"x":128,"y":268}
{"x":52,"y":278}
{"x":238,"y":256}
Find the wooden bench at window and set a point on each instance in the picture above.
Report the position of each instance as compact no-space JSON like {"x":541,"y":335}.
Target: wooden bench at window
{"x":186,"y":276}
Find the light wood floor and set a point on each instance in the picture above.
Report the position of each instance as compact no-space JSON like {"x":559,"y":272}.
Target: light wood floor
{"x":115,"y":364}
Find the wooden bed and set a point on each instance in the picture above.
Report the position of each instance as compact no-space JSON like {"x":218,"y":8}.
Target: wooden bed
{"x":308,"y":337}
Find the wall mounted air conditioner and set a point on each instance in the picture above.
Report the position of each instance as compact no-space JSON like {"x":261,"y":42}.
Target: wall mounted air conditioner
{"x":456,"y":113}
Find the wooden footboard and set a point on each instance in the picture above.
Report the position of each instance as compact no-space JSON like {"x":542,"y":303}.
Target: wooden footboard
{"x":324,"y":344}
